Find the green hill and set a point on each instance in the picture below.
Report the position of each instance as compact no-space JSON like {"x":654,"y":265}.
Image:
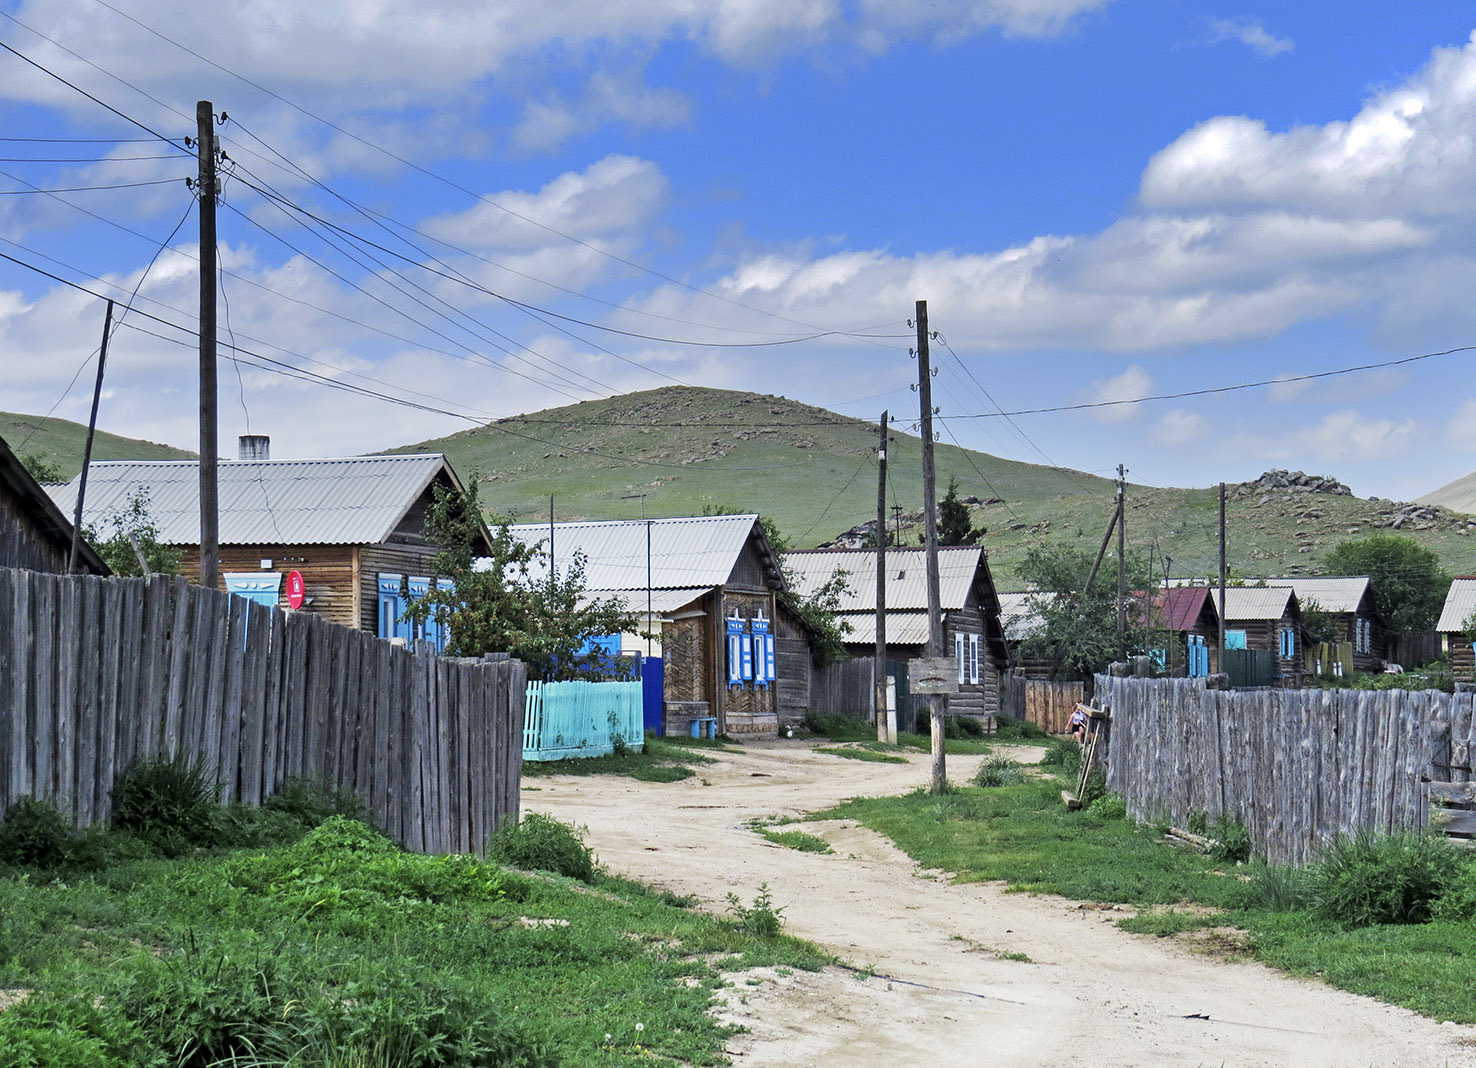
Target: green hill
{"x":689,"y":450}
{"x":60,"y":442}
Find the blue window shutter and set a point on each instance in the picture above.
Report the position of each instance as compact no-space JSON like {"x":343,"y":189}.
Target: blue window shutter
{"x":735,"y":651}
{"x":958,"y":654}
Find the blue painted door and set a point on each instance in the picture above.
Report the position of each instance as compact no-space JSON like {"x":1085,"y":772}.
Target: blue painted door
{"x":653,"y":671}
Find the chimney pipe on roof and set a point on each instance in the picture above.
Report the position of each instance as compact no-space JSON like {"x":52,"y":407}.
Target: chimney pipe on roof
{"x":254,"y":447}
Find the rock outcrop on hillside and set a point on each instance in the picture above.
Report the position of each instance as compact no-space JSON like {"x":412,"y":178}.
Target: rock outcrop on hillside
{"x":1298,"y":482}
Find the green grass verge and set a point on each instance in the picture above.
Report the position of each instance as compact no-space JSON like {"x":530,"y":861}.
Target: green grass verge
{"x":340,"y":947}
{"x":869,"y":755}
{"x":1024,"y":836}
{"x":660,"y":760}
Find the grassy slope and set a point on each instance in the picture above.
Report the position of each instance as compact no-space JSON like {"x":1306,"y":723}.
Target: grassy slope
{"x":817,"y":480}
{"x":61,"y":442}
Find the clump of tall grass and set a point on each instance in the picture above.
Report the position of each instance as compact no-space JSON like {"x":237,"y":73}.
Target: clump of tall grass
{"x":1371,"y":878}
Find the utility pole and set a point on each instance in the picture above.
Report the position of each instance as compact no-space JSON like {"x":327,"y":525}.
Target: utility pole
{"x":1121,"y":562}
{"x":1221,"y":665}
{"x":930,"y":526}
{"x":102,"y":362}
{"x":879,"y":669}
{"x":209,"y":488}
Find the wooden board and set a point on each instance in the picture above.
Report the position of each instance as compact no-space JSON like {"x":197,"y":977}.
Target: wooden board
{"x":932,"y":675}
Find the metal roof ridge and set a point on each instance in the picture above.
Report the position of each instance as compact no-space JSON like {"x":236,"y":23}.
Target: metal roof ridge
{"x":652,"y":519}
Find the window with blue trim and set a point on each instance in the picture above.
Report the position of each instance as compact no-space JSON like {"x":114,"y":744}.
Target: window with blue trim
{"x":763,"y":651}
{"x":259,"y":587}
{"x":740,"y":652}
{"x":1235,"y":639}
{"x":1288,"y":643}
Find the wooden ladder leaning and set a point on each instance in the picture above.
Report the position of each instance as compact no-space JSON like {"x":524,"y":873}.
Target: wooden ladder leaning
{"x":1097,"y":720}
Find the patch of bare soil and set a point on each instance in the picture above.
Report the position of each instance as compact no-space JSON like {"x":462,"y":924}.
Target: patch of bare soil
{"x":952,"y":975}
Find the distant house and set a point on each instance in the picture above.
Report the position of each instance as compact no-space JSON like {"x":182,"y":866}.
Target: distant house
{"x":972,"y":632}
{"x":34,"y":532}
{"x":712,"y":585}
{"x":1189,"y":617}
{"x":354,"y":527}
{"x":1020,"y":621}
{"x":1460,"y":606}
{"x":1348,"y":599}
{"x":1266,"y":618}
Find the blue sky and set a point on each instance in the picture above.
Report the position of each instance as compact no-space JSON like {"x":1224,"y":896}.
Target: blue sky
{"x":1099,"y":199}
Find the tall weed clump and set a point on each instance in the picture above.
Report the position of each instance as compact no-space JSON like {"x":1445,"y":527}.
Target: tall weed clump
{"x":1373,"y":878}
{"x":1062,"y":753}
{"x":996,"y":769}
{"x":168,"y":801}
{"x":33,"y":834}
{"x":542,"y":843}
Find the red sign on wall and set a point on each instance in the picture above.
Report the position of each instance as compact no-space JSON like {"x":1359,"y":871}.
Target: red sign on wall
{"x":295,"y":589}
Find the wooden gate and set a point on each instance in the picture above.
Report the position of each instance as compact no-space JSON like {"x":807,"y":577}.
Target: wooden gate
{"x":1046,"y":704}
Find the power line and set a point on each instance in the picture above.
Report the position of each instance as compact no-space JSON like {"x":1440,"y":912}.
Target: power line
{"x":87,"y":188}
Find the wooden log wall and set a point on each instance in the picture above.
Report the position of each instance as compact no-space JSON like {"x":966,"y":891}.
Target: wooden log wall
{"x":1297,"y":767}
{"x":95,"y":673}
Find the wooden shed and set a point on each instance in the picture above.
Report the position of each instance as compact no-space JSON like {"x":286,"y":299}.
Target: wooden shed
{"x":1347,"y":598}
{"x":1188,"y":618}
{"x":972,"y":631}
{"x":1460,"y":606}
{"x":34,"y":533}
{"x":1265,"y":618}
{"x":353,"y":527}
{"x":712,"y":585}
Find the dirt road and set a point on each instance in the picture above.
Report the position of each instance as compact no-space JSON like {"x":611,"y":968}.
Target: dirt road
{"x":945,"y":992}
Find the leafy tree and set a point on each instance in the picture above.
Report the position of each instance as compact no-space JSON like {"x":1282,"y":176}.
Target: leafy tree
{"x":1079,"y":626}
{"x":1320,"y":624}
{"x":818,"y":609}
{"x":499,"y":606}
{"x":42,"y":469}
{"x":111,"y":539}
{"x":955,"y":522}
{"x":1405,"y":580}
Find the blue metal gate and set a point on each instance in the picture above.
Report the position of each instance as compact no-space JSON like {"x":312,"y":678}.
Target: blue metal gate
{"x":653,"y":671}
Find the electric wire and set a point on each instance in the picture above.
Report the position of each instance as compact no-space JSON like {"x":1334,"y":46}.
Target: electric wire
{"x":87,"y":188}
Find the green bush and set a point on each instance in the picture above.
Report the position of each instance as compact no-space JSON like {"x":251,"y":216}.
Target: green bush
{"x":311,"y":801}
{"x":1375,"y":878}
{"x":1063,"y":753}
{"x":1108,"y":807}
{"x":50,"y":1030}
{"x":963,"y":728}
{"x":169,"y":802}
{"x":542,"y":843}
{"x":1011,"y":729}
{"x":996,"y":769}
{"x":1458,"y":901}
{"x":1232,"y":842}
{"x":761,"y":918}
{"x":838,"y":727}
{"x":34,"y":834}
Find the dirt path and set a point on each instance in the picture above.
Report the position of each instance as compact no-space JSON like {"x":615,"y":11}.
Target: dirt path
{"x":944,"y":993}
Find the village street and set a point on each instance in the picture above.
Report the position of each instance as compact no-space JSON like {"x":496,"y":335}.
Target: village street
{"x":935,"y":986}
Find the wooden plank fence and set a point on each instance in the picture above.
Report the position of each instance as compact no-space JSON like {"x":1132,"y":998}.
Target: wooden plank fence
{"x":1046,"y":704}
{"x":846,"y":689}
{"x":1297,"y":767}
{"x":95,"y":673}
{"x":564,"y":720}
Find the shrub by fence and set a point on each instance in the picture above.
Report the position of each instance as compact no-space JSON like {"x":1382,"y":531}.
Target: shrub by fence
{"x":581,"y":719}
{"x":97,"y":672}
{"x":1297,"y":767}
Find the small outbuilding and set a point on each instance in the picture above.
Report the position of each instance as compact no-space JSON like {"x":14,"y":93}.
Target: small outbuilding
{"x":1190,"y":622}
{"x":34,"y":533}
{"x":1460,"y":607}
{"x":1265,"y":618}
{"x":1346,"y":598}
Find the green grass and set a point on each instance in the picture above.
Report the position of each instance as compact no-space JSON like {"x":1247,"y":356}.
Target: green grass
{"x":660,"y":760}
{"x":1023,"y":835}
{"x":60,"y":442}
{"x":869,"y":755}
{"x":342,"y":946}
{"x":800,"y":840}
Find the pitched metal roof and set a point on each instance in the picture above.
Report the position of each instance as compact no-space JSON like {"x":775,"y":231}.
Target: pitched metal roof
{"x":1332,"y":594}
{"x":35,"y":502}
{"x":687,"y":553}
{"x":1020,"y":619}
{"x":1256,"y":602}
{"x":907,"y":576}
{"x":903,"y":628}
{"x":1460,"y":604}
{"x":354,"y":500}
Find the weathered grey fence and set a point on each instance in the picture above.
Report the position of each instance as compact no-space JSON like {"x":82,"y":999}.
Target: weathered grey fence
{"x":95,"y":673}
{"x":1297,"y":767}
{"x":845,"y":688}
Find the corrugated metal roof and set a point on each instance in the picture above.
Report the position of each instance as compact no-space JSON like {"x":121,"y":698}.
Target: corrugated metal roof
{"x":1020,"y":619}
{"x":691,"y":552}
{"x":355,"y":500}
{"x":1460,"y":604}
{"x":1332,"y":594}
{"x":903,"y":628}
{"x":1255,"y":602}
{"x":662,"y":601}
{"x":907,"y":576}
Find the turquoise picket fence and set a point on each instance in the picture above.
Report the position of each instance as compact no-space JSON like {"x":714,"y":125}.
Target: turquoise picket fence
{"x":566,"y":720}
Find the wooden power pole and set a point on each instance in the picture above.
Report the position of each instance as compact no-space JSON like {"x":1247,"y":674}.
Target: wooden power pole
{"x":1122,"y":651}
{"x":930,"y":526}
{"x":879,"y":670}
{"x":102,"y":363}
{"x":1221,"y":665}
{"x":209,"y":488}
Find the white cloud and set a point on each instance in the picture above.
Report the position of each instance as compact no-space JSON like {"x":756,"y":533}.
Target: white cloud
{"x":1133,"y":384}
{"x":1343,"y":435}
{"x":1282,"y":391}
{"x":1180,"y":427}
{"x":547,"y":124}
{"x":1251,"y":34}
{"x":1461,"y":430}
